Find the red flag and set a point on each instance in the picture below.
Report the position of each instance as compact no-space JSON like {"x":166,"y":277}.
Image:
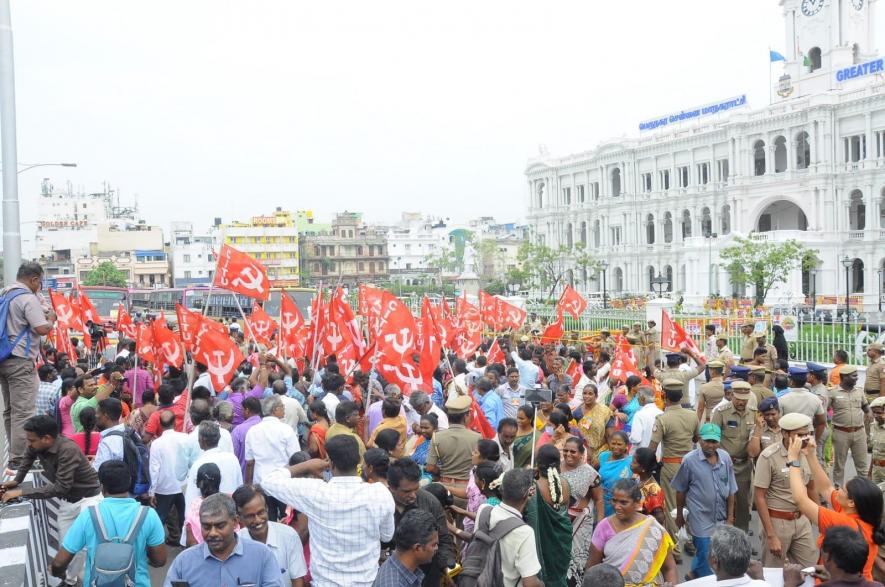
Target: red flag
{"x":623,"y":364}
{"x":188,"y":326}
{"x":167,"y":346}
{"x":488,"y":308}
{"x":445,"y":326}
{"x":63,"y":342}
{"x":469,"y":328}
{"x":238,"y":272}
{"x":342,"y":335}
{"x":68,"y":313}
{"x":259,"y":325}
{"x":574,"y":371}
{"x":674,"y":337}
{"x":125,"y":326}
{"x":341,"y":312}
{"x":479,"y":422}
{"x":510,"y":316}
{"x":144,"y":342}
{"x":495,"y":354}
{"x":430,"y":342}
{"x":554,"y":330}
{"x":293,"y":330}
{"x":572,"y":302}
{"x":87,"y":310}
{"x":220,"y":354}
{"x":370,"y":301}
{"x":318,"y":316}
{"x":396,"y":345}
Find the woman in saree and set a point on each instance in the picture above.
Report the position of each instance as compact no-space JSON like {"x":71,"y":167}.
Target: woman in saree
{"x":627,"y":402}
{"x":557,"y":430}
{"x":547,"y":514}
{"x":644,"y":464}
{"x":418,"y":445}
{"x":636,"y":544}
{"x":522,"y":445}
{"x":614,"y":465}
{"x":592,"y":418}
{"x":586,"y":504}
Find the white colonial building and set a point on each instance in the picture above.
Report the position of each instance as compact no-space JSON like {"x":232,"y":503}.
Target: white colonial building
{"x":809,"y":167}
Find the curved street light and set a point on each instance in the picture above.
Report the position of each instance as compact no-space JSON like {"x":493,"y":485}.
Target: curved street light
{"x":33,"y":165}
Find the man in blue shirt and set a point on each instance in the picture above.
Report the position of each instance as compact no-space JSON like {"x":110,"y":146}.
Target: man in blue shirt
{"x":706,"y":484}
{"x":119,"y":512}
{"x":528,"y":370}
{"x":416,"y":541}
{"x":224,"y":558}
{"x":490,"y":402}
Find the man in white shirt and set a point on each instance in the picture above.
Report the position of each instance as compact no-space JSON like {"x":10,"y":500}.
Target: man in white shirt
{"x":269,"y":444}
{"x":349,"y":519}
{"x":644,"y":419}
{"x":204,"y":378}
{"x":231,"y":473}
{"x":422,"y":404}
{"x":710,"y":351}
{"x":168,"y":469}
{"x":519,"y":558}
{"x":294,"y":412}
{"x":200,"y":412}
{"x":730,"y":553}
{"x":333,"y":385}
{"x":107,"y":419}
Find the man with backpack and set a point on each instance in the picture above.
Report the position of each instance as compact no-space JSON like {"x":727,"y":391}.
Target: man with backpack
{"x":121,"y":536}
{"x":24,"y":318}
{"x":502,"y":552}
{"x":121,"y":443}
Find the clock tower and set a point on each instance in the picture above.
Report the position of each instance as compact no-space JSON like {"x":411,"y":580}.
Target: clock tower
{"x":822,"y":37}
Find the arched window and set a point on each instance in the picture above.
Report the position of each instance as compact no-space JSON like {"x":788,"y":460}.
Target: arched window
{"x":803,"y":151}
{"x":650,"y":229}
{"x":668,"y":273}
{"x":596,"y":235}
{"x":584,"y":233}
{"x":706,"y":222}
{"x":618,"y":283}
{"x":541,"y":195}
{"x":882,"y":208}
{"x":649,"y":275}
{"x":616,"y":182}
{"x":856,"y":211}
{"x":725,"y":220}
{"x":686,"y":224}
{"x":814,"y":58}
{"x":682,"y":279}
{"x":668,"y":227}
{"x":857,"y":276}
{"x":759,"y":158}
{"x":568,"y":236}
{"x":780,"y":154}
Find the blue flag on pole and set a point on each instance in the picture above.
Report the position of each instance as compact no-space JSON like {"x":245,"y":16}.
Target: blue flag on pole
{"x":775,"y":56}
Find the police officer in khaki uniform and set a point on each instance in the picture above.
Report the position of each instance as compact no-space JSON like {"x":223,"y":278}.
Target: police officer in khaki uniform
{"x":673,"y":371}
{"x":712,"y":392}
{"x":800,"y":400}
{"x":676,"y":431}
{"x":652,"y":343}
{"x":817,"y":377}
{"x":606,"y":342}
{"x":723,"y":353}
{"x":877,"y":439}
{"x":766,"y":430}
{"x":748,"y":343}
{"x":736,"y":422}
{"x":786,"y":533}
{"x":770,"y":351}
{"x":756,"y":379}
{"x":849,"y":409}
{"x":450,"y":456}
{"x":874,"y":386}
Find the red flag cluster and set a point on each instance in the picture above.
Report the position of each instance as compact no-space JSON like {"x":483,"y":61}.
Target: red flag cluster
{"x":674,"y":337}
{"x":500,"y":314}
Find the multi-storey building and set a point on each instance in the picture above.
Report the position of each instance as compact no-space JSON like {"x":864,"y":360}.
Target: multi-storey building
{"x":413,"y":244}
{"x":193,"y":256}
{"x":351,"y":253}
{"x":273,"y":240}
{"x":810,"y":167}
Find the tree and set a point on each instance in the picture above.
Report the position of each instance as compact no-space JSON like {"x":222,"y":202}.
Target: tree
{"x":763,"y":265}
{"x":444,"y":261}
{"x":106,"y":274}
{"x":547,"y":267}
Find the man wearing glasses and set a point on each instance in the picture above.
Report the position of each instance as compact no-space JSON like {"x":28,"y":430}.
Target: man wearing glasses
{"x":27,"y":320}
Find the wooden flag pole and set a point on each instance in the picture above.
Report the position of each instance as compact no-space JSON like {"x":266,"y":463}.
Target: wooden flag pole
{"x":243,"y":314}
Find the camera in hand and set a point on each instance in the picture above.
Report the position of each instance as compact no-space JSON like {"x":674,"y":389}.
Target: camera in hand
{"x":538,"y":394}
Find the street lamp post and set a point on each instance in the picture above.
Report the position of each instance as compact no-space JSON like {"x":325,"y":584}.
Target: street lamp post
{"x":879,"y":272}
{"x":659,"y":283}
{"x":604,"y":265}
{"x":28,"y":166}
{"x":710,"y":237}
{"x":847,"y":263}
{"x":12,"y":238}
{"x":813,"y":273}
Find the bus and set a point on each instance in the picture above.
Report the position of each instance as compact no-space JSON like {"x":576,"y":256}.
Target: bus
{"x":222,"y":303}
{"x":107,"y":302}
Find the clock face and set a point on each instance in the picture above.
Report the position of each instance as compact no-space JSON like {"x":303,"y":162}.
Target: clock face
{"x":812,"y":7}
{"x":858,"y":4}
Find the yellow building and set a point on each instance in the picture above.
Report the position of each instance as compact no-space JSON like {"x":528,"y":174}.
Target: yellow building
{"x":272,"y":240}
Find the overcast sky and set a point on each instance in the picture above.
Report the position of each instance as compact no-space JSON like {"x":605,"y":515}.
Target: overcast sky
{"x":221,"y":108}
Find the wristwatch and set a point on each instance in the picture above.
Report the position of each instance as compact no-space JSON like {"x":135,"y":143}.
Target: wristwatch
{"x":796,"y":464}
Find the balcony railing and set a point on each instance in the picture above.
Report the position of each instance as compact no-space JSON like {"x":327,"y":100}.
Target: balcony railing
{"x":855,"y":235}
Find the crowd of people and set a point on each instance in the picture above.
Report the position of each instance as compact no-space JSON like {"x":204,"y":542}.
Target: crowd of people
{"x":329,"y":478}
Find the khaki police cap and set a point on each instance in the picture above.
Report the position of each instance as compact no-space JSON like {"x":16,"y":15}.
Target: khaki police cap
{"x":879,"y":402}
{"x":876,"y":346}
{"x":672,"y":384}
{"x":759,"y":335}
{"x":794,"y":421}
{"x":759,"y":370}
{"x":748,"y":324}
{"x":458,"y":403}
{"x":740,"y":390}
{"x":716,"y":364}
{"x":722,"y":337}
{"x":847,"y":370}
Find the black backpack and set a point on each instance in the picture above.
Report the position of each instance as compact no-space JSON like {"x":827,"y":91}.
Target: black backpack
{"x":481,"y":565}
{"x":137,"y":458}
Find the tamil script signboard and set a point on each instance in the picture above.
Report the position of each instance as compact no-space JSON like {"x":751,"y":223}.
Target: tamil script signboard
{"x":691,"y":113}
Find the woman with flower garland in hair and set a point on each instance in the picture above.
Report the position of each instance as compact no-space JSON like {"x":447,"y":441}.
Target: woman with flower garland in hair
{"x":547,"y":514}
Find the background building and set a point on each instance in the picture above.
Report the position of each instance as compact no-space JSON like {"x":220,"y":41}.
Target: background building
{"x":273,"y":240}
{"x":193,"y":257}
{"x":809,"y":167}
{"x":350,"y":253}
